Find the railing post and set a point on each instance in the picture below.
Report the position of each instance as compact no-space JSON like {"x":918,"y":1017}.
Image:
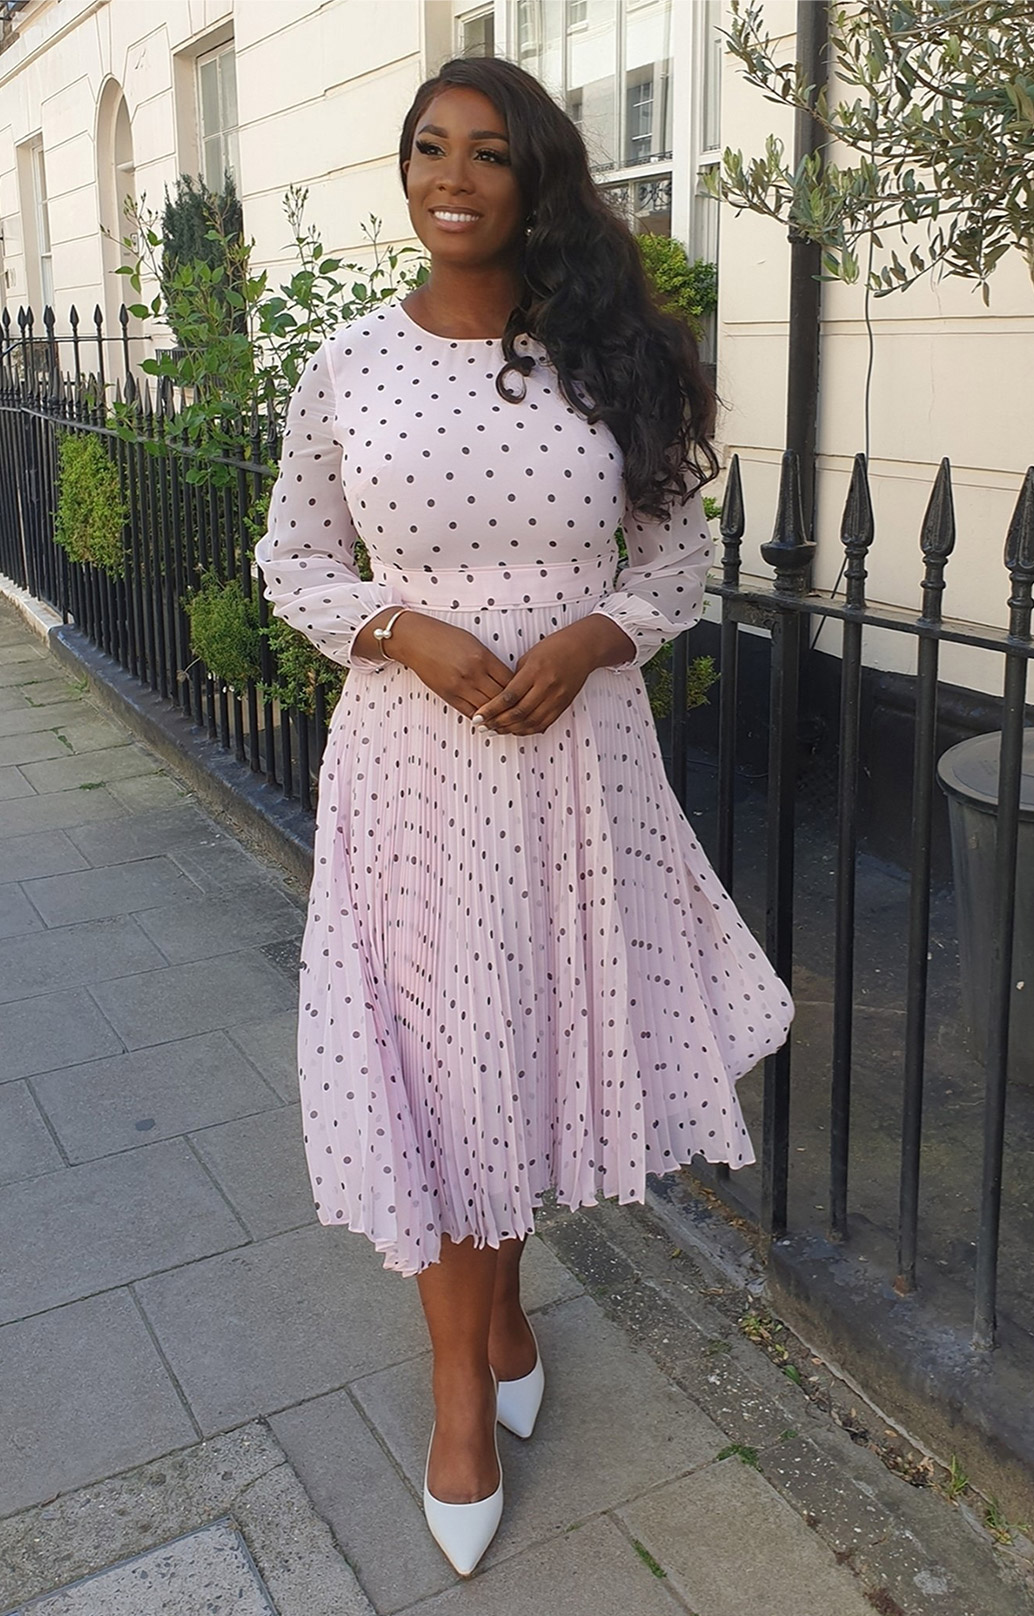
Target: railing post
{"x":790,"y":552}
{"x":1019,"y":559}
{"x":856,"y":534}
{"x":731,"y":526}
{"x":937,"y":542}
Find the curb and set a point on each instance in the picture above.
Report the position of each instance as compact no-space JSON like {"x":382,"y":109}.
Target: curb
{"x":910,"y":1357}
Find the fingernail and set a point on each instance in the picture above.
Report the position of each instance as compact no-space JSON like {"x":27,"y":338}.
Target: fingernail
{"x":477,"y":719}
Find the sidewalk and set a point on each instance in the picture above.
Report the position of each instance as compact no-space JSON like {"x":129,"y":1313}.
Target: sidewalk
{"x":209,"y":1403}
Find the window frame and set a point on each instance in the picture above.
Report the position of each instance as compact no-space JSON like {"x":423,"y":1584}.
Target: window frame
{"x":41,"y":222}
{"x":475,"y":14}
{"x":227,"y":134}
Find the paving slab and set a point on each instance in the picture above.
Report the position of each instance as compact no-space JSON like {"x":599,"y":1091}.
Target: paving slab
{"x":162,"y":1005}
{"x":139,"y":835}
{"x":84,"y":1394}
{"x":249,"y":917}
{"x":60,"y":810}
{"x":45,"y":852}
{"x":242,"y":1478}
{"x":909,"y":1544}
{"x":259,"y":1164}
{"x":119,"y":1103}
{"x":26,"y":1146}
{"x":150,"y":792}
{"x":271,"y":1045}
{"x":300,"y":1563}
{"x":611,"y":1427}
{"x":593,"y":1570}
{"x":52,"y":1030}
{"x":16,"y":750}
{"x":209,"y":1570}
{"x":45,"y":692}
{"x":92,"y":733}
{"x":14,"y":784}
{"x":118,"y":889}
{"x":71,"y":956}
{"x":22,"y":664}
{"x":219,"y":863}
{"x":370,"y":1507}
{"x":23,"y":650}
{"x":256,"y":1330}
{"x":23,"y":718}
{"x":90,"y":768}
{"x":729,"y":1544}
{"x":17,"y":914}
{"x":93,"y":1227}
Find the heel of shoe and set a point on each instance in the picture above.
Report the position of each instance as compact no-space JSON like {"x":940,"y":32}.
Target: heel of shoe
{"x":518,"y":1401}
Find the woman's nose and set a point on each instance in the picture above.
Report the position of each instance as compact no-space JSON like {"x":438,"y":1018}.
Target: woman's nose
{"x":455,"y":175}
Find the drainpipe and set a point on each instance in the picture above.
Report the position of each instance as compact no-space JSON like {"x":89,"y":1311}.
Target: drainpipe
{"x":802,"y":391}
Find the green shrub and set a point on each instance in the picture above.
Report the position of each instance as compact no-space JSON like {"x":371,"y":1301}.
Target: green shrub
{"x":224,"y":631}
{"x":301,"y":670}
{"x":688,"y":289}
{"x":700,"y":676}
{"x":202,"y":227}
{"x":91,"y":512}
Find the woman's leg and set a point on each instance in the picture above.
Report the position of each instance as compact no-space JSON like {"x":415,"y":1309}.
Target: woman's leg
{"x":511,"y":1345}
{"x":456,"y":1293}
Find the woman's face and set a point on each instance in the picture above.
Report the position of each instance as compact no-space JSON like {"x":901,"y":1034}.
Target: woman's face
{"x":464,"y":200}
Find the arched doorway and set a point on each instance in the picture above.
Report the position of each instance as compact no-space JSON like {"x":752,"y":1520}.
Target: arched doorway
{"x":115,"y":184}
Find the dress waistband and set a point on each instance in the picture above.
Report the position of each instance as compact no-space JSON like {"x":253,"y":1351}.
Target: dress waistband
{"x":472,"y":589}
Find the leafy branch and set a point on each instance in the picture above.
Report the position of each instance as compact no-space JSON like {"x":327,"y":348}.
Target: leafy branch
{"x":939,"y":115}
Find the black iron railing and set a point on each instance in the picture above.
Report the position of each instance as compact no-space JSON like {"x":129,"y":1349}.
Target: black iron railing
{"x":764,"y":846}
{"x":784,"y":607}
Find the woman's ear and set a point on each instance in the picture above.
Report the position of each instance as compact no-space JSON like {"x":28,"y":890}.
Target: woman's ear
{"x":405,"y":176}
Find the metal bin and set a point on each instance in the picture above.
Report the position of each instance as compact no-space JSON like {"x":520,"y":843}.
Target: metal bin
{"x":968,"y":775}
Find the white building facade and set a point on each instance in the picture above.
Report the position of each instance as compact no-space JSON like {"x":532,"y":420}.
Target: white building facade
{"x":104,"y":99}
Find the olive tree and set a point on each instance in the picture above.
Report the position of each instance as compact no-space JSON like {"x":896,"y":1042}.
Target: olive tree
{"x":930,"y":117}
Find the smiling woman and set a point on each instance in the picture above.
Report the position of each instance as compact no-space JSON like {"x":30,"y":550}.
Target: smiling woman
{"x":519,"y":972}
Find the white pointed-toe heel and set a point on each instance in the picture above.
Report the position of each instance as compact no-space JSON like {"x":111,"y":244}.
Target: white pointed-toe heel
{"x":518,"y":1401}
{"x":463,"y":1531}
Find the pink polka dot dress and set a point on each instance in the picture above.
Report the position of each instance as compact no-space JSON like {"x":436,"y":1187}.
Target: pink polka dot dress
{"x":519,"y":971}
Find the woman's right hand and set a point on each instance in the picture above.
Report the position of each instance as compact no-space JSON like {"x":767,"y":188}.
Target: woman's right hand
{"x":448,"y":660}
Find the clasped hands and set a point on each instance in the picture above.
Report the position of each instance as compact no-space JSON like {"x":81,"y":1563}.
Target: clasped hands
{"x":523,"y":700}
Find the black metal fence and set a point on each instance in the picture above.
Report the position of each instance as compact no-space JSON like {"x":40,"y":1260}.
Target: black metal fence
{"x":179,"y":529}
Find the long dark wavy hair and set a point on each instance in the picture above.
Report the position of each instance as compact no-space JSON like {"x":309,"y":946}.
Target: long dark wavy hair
{"x":586,"y":297}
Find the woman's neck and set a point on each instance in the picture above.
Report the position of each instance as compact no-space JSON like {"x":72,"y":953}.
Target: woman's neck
{"x":464,"y":306}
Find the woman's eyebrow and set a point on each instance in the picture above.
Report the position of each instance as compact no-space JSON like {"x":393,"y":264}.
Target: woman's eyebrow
{"x":475,"y":134}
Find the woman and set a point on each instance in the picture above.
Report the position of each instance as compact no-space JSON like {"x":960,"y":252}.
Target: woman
{"x":519,"y":972}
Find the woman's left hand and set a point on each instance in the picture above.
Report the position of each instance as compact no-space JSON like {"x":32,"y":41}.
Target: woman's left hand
{"x":548,"y":677}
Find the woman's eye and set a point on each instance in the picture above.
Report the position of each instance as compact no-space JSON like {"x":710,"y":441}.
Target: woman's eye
{"x":493,"y":156}
{"x":427,"y":147}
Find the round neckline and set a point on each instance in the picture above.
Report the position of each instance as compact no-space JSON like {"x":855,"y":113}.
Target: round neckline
{"x":436,"y":336}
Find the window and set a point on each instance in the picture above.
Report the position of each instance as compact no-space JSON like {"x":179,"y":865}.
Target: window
{"x":711,"y":89}
{"x":639,"y":123}
{"x":577,"y":13}
{"x":476,"y":33}
{"x":217,"y":116}
{"x":527,"y":28}
{"x":575,"y":107}
{"x":41,"y":206}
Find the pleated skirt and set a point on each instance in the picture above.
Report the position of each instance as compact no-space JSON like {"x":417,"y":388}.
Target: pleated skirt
{"x":519,"y":972}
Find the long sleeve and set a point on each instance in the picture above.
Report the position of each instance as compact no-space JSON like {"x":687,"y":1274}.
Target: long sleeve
{"x":307,"y":554}
{"x":661,"y":590}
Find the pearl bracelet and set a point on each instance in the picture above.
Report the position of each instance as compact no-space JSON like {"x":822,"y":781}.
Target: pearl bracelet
{"x":384,"y":633}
